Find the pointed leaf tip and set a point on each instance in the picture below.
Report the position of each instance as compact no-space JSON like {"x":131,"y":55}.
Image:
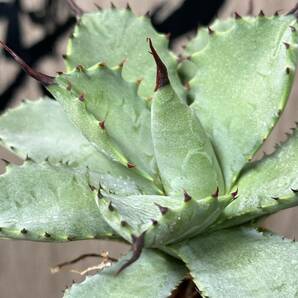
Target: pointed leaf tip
{"x":102,"y":124}
{"x":210,"y":31}
{"x":82,"y":96}
{"x":111,"y":207}
{"x":99,"y":194}
{"x":47,"y":235}
{"x":187,"y":197}
{"x":235,"y":194}
{"x":293,"y":29}
{"x":124,"y":223}
{"x":131,"y":165}
{"x":80,"y":68}
{"x":163,"y":210}
{"x":99,"y":8}
{"x":287,"y":45}
{"x":154,"y":222}
{"x":42,"y":78}
{"x":294,"y":11}
{"x":162,"y":78}
{"x":261,"y":13}
{"x":128,"y":7}
{"x":216,"y":193}
{"x":137,"y":247}
{"x":6,"y":162}
{"x":237,"y":15}
{"x":24,"y":231}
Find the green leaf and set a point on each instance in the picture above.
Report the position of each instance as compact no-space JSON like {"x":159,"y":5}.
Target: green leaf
{"x":266,"y":186}
{"x":188,"y":69}
{"x":40,"y":130}
{"x":154,"y":275}
{"x":126,"y":134}
{"x":242,"y":262}
{"x":43,"y":202}
{"x":164,"y":219}
{"x":184,"y":154}
{"x":244,"y":76}
{"x":116,"y":36}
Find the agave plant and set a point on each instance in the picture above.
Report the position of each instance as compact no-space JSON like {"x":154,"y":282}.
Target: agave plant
{"x":162,"y":159}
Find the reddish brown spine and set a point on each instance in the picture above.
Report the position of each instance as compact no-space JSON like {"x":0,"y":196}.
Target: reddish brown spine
{"x":162,"y":78}
{"x":40,"y":77}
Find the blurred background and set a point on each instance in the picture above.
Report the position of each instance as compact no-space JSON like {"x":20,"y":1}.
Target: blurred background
{"x":38,"y":30}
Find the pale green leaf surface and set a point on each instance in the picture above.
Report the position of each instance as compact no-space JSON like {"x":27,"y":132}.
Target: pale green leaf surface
{"x":107,"y":97}
{"x":183,"y":219}
{"x":266,"y":186}
{"x":153,"y":275}
{"x":242,"y":262}
{"x":113,"y":36}
{"x":184,"y":154}
{"x":188,"y":69}
{"x":202,"y":37}
{"x":52,"y":203}
{"x":242,"y":85}
{"x":40,"y":130}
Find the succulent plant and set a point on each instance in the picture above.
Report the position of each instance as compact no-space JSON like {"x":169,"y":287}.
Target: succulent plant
{"x":159,"y":154}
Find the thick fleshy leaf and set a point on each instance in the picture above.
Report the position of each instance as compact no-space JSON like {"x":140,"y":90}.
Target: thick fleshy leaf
{"x":154,"y":275}
{"x":110,"y":114}
{"x":266,"y":186}
{"x":49,"y":203}
{"x":184,"y":154}
{"x":240,"y":90}
{"x":242,"y":262}
{"x":164,"y":219}
{"x":115,"y":36}
{"x":40,"y":130}
{"x":187,"y":68}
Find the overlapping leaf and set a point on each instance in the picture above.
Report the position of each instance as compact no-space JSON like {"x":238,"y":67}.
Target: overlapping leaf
{"x":241,"y":262}
{"x":266,"y":187}
{"x":163,"y":219}
{"x":159,"y":274}
{"x":40,"y":130}
{"x":244,"y":75}
{"x":110,"y":114}
{"x":117,"y":36}
{"x":184,"y":154}
{"x":49,"y":203}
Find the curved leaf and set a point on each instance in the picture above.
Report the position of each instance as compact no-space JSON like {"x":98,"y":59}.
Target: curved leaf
{"x":242,"y":262}
{"x":266,"y":187}
{"x":115,"y":36}
{"x":110,"y":114}
{"x":241,"y":89}
{"x":184,"y":154}
{"x":49,"y":203}
{"x":160,"y":275}
{"x":40,"y":130}
{"x":164,"y":219}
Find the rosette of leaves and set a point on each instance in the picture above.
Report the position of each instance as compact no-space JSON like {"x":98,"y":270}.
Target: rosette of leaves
{"x":122,"y":154}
